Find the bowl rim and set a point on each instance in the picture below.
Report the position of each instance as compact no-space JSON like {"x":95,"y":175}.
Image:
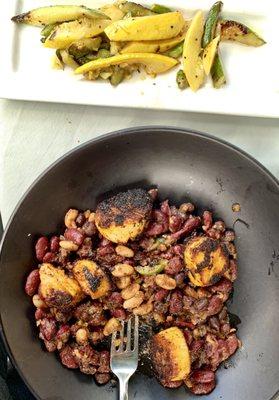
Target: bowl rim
{"x":137,"y":130}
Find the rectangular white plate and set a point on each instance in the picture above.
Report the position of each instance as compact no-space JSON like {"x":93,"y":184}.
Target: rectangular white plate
{"x":252,"y":73}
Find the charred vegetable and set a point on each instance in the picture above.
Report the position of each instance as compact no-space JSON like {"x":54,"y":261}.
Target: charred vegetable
{"x":153,"y":268}
{"x":170,"y":355}
{"x":206,"y":260}
{"x":54,"y":14}
{"x":217,"y":73}
{"x":181,"y":80}
{"x":237,"y":32}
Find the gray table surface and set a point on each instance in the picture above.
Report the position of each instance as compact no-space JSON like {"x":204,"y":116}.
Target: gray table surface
{"x":33,"y":135}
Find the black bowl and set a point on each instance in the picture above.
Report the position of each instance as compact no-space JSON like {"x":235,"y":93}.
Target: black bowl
{"x":185,"y":166}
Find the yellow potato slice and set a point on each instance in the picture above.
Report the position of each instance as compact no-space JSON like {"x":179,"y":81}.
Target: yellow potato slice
{"x":192,"y":62}
{"x":209,"y":54}
{"x":151,"y":27}
{"x":170,"y":355}
{"x":154,"y":46}
{"x":154,"y":63}
{"x":65,"y":34}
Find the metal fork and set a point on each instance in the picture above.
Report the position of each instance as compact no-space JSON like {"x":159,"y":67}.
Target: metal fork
{"x":124,"y":357}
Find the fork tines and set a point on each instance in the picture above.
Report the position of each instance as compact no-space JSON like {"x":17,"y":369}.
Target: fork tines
{"x":127,"y":339}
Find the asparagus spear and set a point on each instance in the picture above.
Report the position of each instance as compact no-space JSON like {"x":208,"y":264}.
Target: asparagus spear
{"x":181,"y":80}
{"x":176,"y":51}
{"x":159,"y":9}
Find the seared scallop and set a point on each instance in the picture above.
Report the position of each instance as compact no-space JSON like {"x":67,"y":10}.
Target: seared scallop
{"x":170,"y":355}
{"x":206,"y":260}
{"x":57,"y":289}
{"x":92,"y":279}
{"x":124,"y":216}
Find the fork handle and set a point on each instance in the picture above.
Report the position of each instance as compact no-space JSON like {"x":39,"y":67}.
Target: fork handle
{"x":123,"y":389}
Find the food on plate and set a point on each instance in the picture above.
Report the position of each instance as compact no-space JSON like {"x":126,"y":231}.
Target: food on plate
{"x":135,"y":30}
{"x":44,"y":16}
{"x":136,"y":255}
{"x":170,"y":355}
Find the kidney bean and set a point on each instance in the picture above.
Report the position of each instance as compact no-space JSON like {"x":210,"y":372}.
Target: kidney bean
{"x":102,"y":379}
{"x":39,"y":314}
{"x":223,"y":314}
{"x":184,"y":324}
{"x":80,"y":219}
{"x":48,"y":328}
{"x":89,"y":228}
{"x":225,"y":328}
{"x":161,"y":294}
{"x":201,"y":304}
{"x":215,"y":305}
{"x":49,"y":257}
{"x":232,"y":344}
{"x":233,"y":270}
{"x":159,"y":225}
{"x":207,"y":220}
{"x":223,"y":286}
{"x":63,"y":333}
{"x":175,"y":222}
{"x":203,"y":388}
{"x":213,"y":234}
{"x":50,"y":345}
{"x":104,"y":362}
{"x":174,"y":266}
{"x":214,"y":323}
{"x":202,"y":376}
{"x":176,"y":303}
{"x":119,"y":313}
{"x":32,"y":282}
{"x":115,"y":298}
{"x":196,"y":346}
{"x":54,"y":244}
{"x":178,"y":249}
{"x":103,"y":251}
{"x":74,"y":235}
{"x":155,"y":229}
{"x":179,"y":278}
{"x":165,"y":208}
{"x":67,"y":357}
{"x":188,"y":336}
{"x":189,"y":226}
{"x":41,"y":247}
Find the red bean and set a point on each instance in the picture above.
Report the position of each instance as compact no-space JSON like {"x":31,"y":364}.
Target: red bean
{"x":115,"y":298}
{"x":207,"y":220}
{"x":174,"y":266}
{"x":175,"y":223}
{"x":165,"y":208}
{"x":178,"y":250}
{"x":188,"y":336}
{"x":203,"y":388}
{"x":189,"y":226}
{"x":119,"y":313}
{"x":32,"y":282}
{"x":223,"y":286}
{"x":202,"y":376}
{"x":49,"y":257}
{"x":179,"y":278}
{"x":80,"y":219}
{"x":201,"y":304}
{"x":161,"y":294}
{"x":41,"y":247}
{"x":63,"y":333}
{"x":74,"y":235}
{"x":54,"y":244}
{"x":196,"y":346}
{"x":102,"y":379}
{"x":39,"y":314}
{"x":48,"y":328}
{"x":215,"y":305}
{"x":176,"y":303}
{"x":68,"y":358}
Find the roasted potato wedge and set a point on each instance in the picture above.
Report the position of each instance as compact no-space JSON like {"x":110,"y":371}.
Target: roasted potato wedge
{"x":53,"y":14}
{"x":154,"y":63}
{"x":154,"y":46}
{"x":92,"y":279}
{"x":65,"y":34}
{"x":206,"y":260}
{"x":124,"y":216}
{"x":151,"y":27}
{"x":57,"y":289}
{"x":170,"y":355}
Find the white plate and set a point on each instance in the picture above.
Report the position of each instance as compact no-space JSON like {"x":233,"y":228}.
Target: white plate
{"x":252,"y":73}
